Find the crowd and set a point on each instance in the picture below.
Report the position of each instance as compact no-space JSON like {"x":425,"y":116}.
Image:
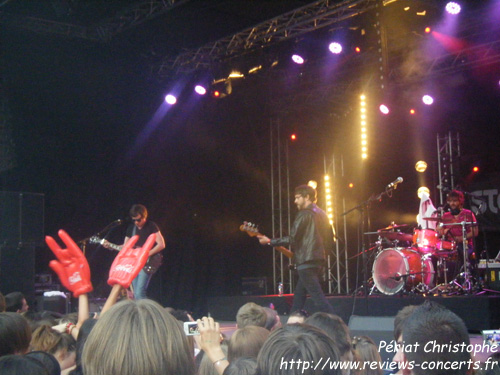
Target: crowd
{"x":142,"y":337}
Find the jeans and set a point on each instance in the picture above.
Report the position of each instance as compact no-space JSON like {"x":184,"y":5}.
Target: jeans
{"x":309,"y":283}
{"x":140,"y":284}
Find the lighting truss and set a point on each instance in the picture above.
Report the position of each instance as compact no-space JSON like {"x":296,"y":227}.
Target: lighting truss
{"x":288,"y":25}
{"x":103,"y":32}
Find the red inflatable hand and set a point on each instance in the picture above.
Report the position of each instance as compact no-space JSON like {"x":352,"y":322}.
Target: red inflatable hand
{"x":72,"y":267}
{"x":129,"y":261}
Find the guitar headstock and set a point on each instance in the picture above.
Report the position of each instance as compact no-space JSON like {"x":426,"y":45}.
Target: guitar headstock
{"x":250,"y":228}
{"x":96,"y":240}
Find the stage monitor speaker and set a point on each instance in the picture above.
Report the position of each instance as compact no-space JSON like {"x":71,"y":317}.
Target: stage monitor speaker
{"x":378,"y":328}
{"x":21,"y":219}
{"x":17,"y":271}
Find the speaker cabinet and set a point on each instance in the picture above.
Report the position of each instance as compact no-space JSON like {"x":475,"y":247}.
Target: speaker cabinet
{"x":17,"y":271}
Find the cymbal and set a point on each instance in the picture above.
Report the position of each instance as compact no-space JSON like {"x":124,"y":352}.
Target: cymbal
{"x":432,"y":218}
{"x":396,"y":236}
{"x":394,"y":226}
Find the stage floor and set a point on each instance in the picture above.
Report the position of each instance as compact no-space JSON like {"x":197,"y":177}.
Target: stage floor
{"x":478,"y":312}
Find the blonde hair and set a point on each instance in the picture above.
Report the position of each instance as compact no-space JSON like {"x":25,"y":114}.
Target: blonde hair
{"x":137,"y":337}
{"x":246,"y":342}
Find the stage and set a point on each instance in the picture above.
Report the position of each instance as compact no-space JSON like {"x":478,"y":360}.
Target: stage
{"x":478,"y":312}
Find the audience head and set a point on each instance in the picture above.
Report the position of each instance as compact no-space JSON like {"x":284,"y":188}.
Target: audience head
{"x":246,"y":342}
{"x":48,"y":360}
{"x":16,"y":302}
{"x":298,"y":316}
{"x":241,"y":366}
{"x":366,"y":351}
{"x":273,"y":319}
{"x":2,"y":302}
{"x":296,"y":342}
{"x":137,"y":337}
{"x":15,"y":334}
{"x":206,"y":366}
{"x":429,"y":325}
{"x":251,"y":314}
{"x":400,"y":320}
{"x":21,"y":365}
{"x":60,"y":345}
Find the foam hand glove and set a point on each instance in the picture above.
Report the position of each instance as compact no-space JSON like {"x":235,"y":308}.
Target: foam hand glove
{"x":72,"y":266}
{"x":129,"y":261}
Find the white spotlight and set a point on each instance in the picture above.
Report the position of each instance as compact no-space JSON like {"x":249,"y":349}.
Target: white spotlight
{"x":335,"y":48}
{"x":170,"y":99}
{"x":453,"y":8}
{"x":427,"y":99}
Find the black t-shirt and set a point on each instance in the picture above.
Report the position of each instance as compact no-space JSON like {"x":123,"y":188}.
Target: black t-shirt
{"x":148,"y":228}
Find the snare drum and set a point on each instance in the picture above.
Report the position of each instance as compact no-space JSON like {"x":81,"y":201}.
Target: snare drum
{"x":398,"y":268}
{"x":445,"y":249}
{"x":425,"y":240}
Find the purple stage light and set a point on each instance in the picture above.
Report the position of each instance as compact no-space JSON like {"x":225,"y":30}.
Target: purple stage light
{"x":427,"y":99}
{"x":200,"y":90}
{"x":297,"y":59}
{"x":384,"y":109}
{"x":453,"y":8}
{"x":170,"y":99}
{"x":335,"y":48}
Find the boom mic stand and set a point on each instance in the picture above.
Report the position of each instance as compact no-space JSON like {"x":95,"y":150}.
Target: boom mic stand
{"x":362,"y":207}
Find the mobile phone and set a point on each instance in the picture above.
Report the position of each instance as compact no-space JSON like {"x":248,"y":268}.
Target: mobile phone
{"x":191,"y":328}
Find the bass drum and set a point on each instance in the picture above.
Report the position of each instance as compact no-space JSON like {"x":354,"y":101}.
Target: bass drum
{"x":398,"y":268}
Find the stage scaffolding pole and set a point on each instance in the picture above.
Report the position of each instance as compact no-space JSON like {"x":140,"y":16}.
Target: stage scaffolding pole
{"x":280,"y":204}
{"x":448,"y":151}
{"x":338,"y":270}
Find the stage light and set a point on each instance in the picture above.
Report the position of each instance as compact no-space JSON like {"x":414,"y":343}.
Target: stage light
{"x":351,"y":185}
{"x":216,"y":94}
{"x":475,"y":169}
{"x":335,"y":48}
{"x":384,"y":109}
{"x":357,"y":49}
{"x":421,"y":190}
{"x":427,"y":29}
{"x":453,"y":8}
{"x":255,"y":69}
{"x":236,"y":74}
{"x":328,"y":198}
{"x":170,"y":99}
{"x":200,"y":90}
{"x":313,"y":184}
{"x":421,"y":166}
{"x":297,"y":59}
{"x":293,"y":137}
{"x":364,"y":137}
{"x":427,"y":99}
{"x":412,"y":111}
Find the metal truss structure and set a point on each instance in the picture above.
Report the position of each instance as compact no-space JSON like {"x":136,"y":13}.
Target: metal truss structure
{"x":104,"y":31}
{"x":448,"y":152}
{"x":295,"y":23}
{"x":280,"y":202}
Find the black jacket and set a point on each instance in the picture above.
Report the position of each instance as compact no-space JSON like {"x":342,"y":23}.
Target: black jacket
{"x":310,"y":236}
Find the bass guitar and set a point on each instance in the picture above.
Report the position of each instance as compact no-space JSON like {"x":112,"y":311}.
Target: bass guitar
{"x":154,"y":262}
{"x":252,"y":231}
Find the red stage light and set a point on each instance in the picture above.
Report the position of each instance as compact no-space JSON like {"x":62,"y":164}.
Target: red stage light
{"x":475,"y":169}
{"x":427,"y":29}
{"x":357,"y":49}
{"x":412,"y":111}
{"x":216,"y":94}
{"x":293,"y":137}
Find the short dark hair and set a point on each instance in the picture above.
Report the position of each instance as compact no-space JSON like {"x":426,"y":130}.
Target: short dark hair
{"x":14,"y":301}
{"x":432,"y":324}
{"x":241,"y":366}
{"x":334,"y":327}
{"x":138,"y":209}
{"x":251,"y":314}
{"x":293,"y":342}
{"x":22,"y":365}
{"x":456,"y":194}
{"x":305,"y":190}
{"x":400,"y":319}
{"x":15,"y":334}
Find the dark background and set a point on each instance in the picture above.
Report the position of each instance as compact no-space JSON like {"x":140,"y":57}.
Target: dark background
{"x":90,"y":131}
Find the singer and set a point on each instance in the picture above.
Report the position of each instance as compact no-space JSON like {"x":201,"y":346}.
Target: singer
{"x":457,"y":214}
{"x":143,"y":228}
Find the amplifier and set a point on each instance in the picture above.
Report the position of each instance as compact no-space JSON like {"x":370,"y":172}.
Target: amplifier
{"x":491,"y":274}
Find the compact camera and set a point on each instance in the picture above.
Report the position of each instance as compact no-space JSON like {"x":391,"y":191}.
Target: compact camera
{"x":191,"y":328}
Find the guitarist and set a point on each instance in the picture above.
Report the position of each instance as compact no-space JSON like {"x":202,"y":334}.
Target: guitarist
{"x":310,"y":236}
{"x":143,"y":228}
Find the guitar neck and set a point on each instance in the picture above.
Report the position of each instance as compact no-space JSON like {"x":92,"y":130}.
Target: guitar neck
{"x":284,"y":251}
{"x":114,"y":246}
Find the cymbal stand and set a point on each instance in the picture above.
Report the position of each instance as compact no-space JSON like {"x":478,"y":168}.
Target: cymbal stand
{"x":466,"y":286}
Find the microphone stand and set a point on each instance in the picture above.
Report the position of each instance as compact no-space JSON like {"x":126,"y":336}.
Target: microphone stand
{"x":362,"y":207}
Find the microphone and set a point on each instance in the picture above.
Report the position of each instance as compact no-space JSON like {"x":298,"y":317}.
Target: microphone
{"x":394,"y":183}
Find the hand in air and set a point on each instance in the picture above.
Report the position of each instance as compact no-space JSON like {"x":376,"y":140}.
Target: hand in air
{"x":72,"y":266}
{"x":129,"y":261}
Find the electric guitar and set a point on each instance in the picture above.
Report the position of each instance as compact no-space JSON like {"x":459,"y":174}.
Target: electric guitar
{"x":154,"y":262}
{"x":252,"y":231}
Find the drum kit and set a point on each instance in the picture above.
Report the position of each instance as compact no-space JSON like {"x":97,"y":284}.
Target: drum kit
{"x":418,"y":262}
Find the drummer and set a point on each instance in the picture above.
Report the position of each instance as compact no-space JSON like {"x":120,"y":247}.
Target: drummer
{"x":459,"y":214}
